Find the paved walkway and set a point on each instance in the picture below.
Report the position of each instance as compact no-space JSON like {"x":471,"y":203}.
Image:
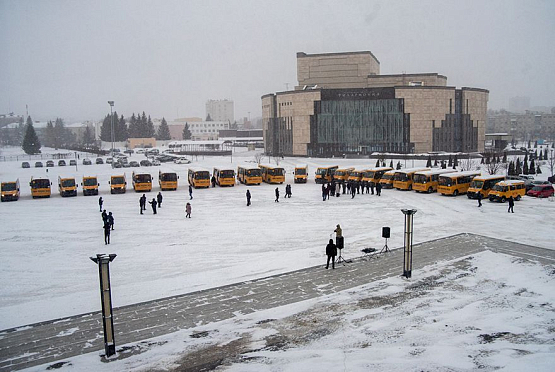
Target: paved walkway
{"x":61,"y":339}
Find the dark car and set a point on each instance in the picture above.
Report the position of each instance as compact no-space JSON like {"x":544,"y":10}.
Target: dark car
{"x":117,"y":164}
{"x":38,"y":164}
{"x":129,"y":151}
{"x":61,"y":163}
{"x":99,"y":161}
{"x":145,"y":163}
{"x":50,"y":163}
{"x":87,"y":161}
{"x":133,"y":163}
{"x":73,"y":162}
{"x":541,"y":191}
{"x":25,"y":164}
{"x":165,"y":158}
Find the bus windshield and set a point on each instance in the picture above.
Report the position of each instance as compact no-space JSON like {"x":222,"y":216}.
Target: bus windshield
{"x":322,"y":171}
{"x":39,"y":184}
{"x":68,"y":183}
{"x":227,"y":174}
{"x":387,"y":176}
{"x":369,"y":174}
{"x":500,"y":188}
{"x":477,"y":184}
{"x":275,"y":171}
{"x":117,"y":180}
{"x":403,"y":177}
{"x":445,"y":181}
{"x":89,"y":182}
{"x":300,"y":171}
{"x":143,"y":178}
{"x":202,"y":175}
{"x":420,"y":178}
{"x":8,"y":186}
{"x":168,"y":177}
{"x":253,"y":172}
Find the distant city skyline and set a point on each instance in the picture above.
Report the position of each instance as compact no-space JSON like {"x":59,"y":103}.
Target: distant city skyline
{"x":168,"y":58}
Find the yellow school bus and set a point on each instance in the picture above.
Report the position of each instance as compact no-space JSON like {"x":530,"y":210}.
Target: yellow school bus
{"x":142,"y":182}
{"x":167,"y":180}
{"x":67,"y":186}
{"x":118,"y":184}
{"x":428,"y":181}
{"x":325,"y":174}
{"x":249,"y":175}
{"x":403,"y":178}
{"x":387,"y":179}
{"x":301,"y":173}
{"x":456,"y":183}
{"x":40,"y":187}
{"x":224,"y":176}
{"x":356,"y":175}
{"x":199,"y":177}
{"x":272,"y":174}
{"x":10,"y":190}
{"x":90,"y":185}
{"x":503,"y":190}
{"x":342,"y":174}
{"x":483,"y":185}
{"x":373,"y":175}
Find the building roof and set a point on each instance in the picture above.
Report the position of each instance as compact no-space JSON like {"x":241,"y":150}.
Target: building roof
{"x":305,"y":55}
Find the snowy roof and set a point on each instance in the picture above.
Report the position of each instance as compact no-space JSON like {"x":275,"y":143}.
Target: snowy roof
{"x":435,"y":171}
{"x":408,"y":170}
{"x":490,"y":176}
{"x":198,"y":169}
{"x":378,"y":169}
{"x":207,"y":142}
{"x":301,"y":166}
{"x":248,"y":166}
{"x":462,"y":174}
{"x":511,"y":182}
{"x":270,"y":166}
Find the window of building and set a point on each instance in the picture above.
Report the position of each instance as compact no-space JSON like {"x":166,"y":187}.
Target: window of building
{"x":416,"y":83}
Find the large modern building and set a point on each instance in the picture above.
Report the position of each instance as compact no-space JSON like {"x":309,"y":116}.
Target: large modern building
{"x":220,"y":110}
{"x":342,"y":105}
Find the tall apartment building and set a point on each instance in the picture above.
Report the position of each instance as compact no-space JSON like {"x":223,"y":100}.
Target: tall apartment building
{"x":220,"y":110}
{"x":343,"y":105}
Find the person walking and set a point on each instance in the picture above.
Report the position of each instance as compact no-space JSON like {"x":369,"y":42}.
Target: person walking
{"x":213,"y":180}
{"x":288,"y":191}
{"x":190,"y":192}
{"x":324,"y":192}
{"x":331,"y":252}
{"x":106,"y":232}
{"x":104,"y":216}
{"x":100,"y":202}
{"x":372,"y":187}
{"x":153,"y":203}
{"x":337,"y":190}
{"x":188,"y":209}
{"x":159,"y":199}
{"x":111,"y":220}
{"x":277,"y":196}
{"x":353,"y":191}
{"x":141,"y":204}
{"x":479,"y":197}
{"x":344,"y":186}
{"x":378,"y":189}
{"x":248,"y":198}
{"x":511,"y":205}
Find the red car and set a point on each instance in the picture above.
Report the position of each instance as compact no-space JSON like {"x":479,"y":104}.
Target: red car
{"x":541,"y":191}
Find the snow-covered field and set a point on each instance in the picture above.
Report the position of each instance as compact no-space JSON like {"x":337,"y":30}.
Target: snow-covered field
{"x":46,"y":243}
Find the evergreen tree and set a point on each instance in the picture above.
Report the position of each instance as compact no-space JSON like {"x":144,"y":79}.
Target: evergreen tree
{"x":143,"y":123}
{"x":31,"y":143}
{"x":536,"y":154}
{"x":511,"y":169}
{"x":398,"y":165}
{"x":545,"y":153}
{"x":22,"y":128}
{"x":450,"y":163}
{"x":455,"y":162}
{"x":383,"y":163}
{"x":208,"y":118}
{"x":377,"y":163}
{"x":532,"y":168}
{"x":505,"y":157}
{"x":443,"y":165}
{"x":518,"y":169}
{"x":538,"y":170}
{"x":150,"y":132}
{"x":391,"y":164}
{"x":120,"y":129}
{"x":133,"y":131}
{"x":163,"y":131}
{"x":529,"y":144}
{"x":106,"y":129}
{"x":49,"y":134}
{"x":482,"y":161}
{"x":429,"y":162}
{"x":536,"y":144}
{"x":526,"y":159}
{"x":525,"y":168}
{"x":186,"y":132}
{"x":435,"y":163}
{"x":88,"y":138}
{"x":59,"y":133}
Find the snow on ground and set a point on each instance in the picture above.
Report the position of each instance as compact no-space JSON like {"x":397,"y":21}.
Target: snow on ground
{"x":485,"y":312}
{"x":46,"y":243}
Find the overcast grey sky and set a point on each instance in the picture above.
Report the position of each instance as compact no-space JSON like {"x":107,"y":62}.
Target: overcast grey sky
{"x":68,"y":58}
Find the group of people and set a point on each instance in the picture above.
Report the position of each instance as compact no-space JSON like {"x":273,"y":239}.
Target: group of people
{"x":108,"y":222}
{"x":331,"y":248}
{"x":155,"y":203}
{"x":511,"y":201}
{"x":334,"y":188}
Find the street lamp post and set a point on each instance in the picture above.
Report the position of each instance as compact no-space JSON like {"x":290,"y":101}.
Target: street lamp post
{"x":103,"y":262}
{"x":111,"y":103}
{"x":407,"y":262}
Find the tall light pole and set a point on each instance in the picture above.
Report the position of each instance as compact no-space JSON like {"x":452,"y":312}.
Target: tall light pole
{"x":407,"y":261}
{"x":111,"y":103}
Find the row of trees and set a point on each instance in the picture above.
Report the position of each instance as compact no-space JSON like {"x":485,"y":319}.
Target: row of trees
{"x":139,"y":126}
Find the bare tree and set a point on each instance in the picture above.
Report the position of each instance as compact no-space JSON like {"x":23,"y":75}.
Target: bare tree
{"x":494,"y":168}
{"x":258,"y":157}
{"x":467,"y":164}
{"x":277,"y":159}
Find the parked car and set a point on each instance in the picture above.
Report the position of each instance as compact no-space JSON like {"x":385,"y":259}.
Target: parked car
{"x":87,"y":161}
{"x":153,"y":152}
{"x":165,"y":158}
{"x":109,"y":160}
{"x":526,"y":177}
{"x":541,"y":191}
{"x":133,"y":163}
{"x":25,"y":164}
{"x":145,"y":163}
{"x":61,"y":163}
{"x":129,"y":151}
{"x":182,"y":161}
{"x":50,"y":163}
{"x":73,"y":162}
{"x":99,"y":161}
{"x":125,"y":165}
{"x":155,"y":162}
{"x":531,"y":184}
{"x":38,"y":164}
{"x":117,"y":164}
{"x":141,"y":151}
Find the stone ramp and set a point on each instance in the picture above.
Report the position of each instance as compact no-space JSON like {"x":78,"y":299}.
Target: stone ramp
{"x":61,"y":339}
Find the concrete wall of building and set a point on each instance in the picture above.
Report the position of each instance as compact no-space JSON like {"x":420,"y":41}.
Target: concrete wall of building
{"x":336,"y":70}
{"x":475,"y":103}
{"x":267,"y":115}
{"x":433,"y":79}
{"x":427,"y":107}
{"x":220,"y":110}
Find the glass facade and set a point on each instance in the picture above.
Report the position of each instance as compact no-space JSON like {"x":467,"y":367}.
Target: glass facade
{"x":457,"y":131}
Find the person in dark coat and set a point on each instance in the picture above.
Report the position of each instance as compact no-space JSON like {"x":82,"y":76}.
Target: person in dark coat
{"x":331,"y":252}
{"x":353,"y":191}
{"x":511,"y":205}
{"x":344,"y":187}
{"x":100,"y":202}
{"x":159,"y":199}
{"x":213,"y":181}
{"x":288,"y":191}
{"x":106,"y":232}
{"x":479,"y":197}
{"x":111,"y":220}
{"x":142,"y":203}
{"x":378,"y":188}
{"x":104,"y":216}
{"x":277,"y":195}
{"x":153,"y":203}
{"x":248,"y":198}
{"x":372,"y":187}
{"x":188,"y":210}
{"x":190,"y":192}
{"x":324,"y":192}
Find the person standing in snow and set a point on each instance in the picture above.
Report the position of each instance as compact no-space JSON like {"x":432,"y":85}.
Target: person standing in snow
{"x":188,"y":209}
{"x":159,"y":199}
{"x":324,"y":191}
{"x":111,"y":220}
{"x":511,"y":205}
{"x":190,"y":192}
{"x":104,"y":216}
{"x":331,"y":252}
{"x":479,"y":197}
{"x":106,"y":232}
{"x":153,"y":203}
{"x":100,"y":202}
{"x":248,"y":198}
{"x":277,"y":195}
{"x":378,"y":189}
{"x":142,"y":203}
{"x":337,"y":189}
{"x":213,"y":181}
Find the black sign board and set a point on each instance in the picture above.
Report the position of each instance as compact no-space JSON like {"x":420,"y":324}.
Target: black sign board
{"x":357,"y":94}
